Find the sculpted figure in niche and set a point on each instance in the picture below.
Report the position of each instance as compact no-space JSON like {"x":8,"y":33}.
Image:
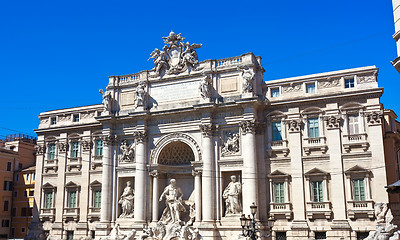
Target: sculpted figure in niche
{"x":106,"y":99}
{"x":173,"y":201}
{"x":231,"y":195}
{"x":128,"y":152}
{"x":248,"y":77}
{"x":231,"y":145}
{"x":140,"y":94}
{"x":205,"y":87}
{"x":126,"y":201}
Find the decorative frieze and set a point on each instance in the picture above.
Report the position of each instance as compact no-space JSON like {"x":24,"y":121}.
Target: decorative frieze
{"x":291,"y":88}
{"x":329,"y":83}
{"x":231,"y":143}
{"x":333,"y":122}
{"x":127,"y":152}
{"x":366,"y":79}
{"x":248,"y":126}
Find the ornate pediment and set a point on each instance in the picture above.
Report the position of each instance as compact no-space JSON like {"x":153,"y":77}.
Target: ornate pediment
{"x":176,"y":56}
{"x":356,"y":169}
{"x":316,"y":172}
{"x":278,"y":174}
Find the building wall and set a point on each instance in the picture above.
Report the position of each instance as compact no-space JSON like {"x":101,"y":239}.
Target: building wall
{"x":6,"y":156}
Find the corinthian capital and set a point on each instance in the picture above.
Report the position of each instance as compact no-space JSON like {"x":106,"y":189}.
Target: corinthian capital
{"x":207,"y":129}
{"x":140,"y":136}
{"x":109,"y":139}
{"x":248,"y":126}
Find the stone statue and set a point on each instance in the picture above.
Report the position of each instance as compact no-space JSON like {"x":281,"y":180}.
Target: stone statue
{"x":128,"y":152}
{"x":190,"y":55}
{"x":385,"y":229}
{"x":140,"y":100}
{"x":160,"y":60}
{"x":205,"y":87}
{"x":231,"y":195}
{"x":248,"y":78}
{"x":173,"y":201}
{"x":106,"y":100}
{"x":231,"y":145}
{"x":126,"y":201}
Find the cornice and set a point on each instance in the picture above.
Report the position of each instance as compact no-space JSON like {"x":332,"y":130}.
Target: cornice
{"x":67,"y":128}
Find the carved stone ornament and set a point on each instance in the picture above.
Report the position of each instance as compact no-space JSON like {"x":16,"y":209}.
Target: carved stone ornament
{"x":116,"y":234}
{"x":248,"y":78}
{"x":107,"y":98}
{"x":292,"y":88}
{"x":196,"y":173}
{"x":39,"y":149}
{"x":205,"y":87}
{"x":329,"y":83}
{"x":248,"y":126}
{"x":86,"y":145}
{"x":109,"y":139}
{"x":374,"y":117}
{"x":333,"y":122}
{"x":176,"y":56}
{"x":294,"y":125}
{"x":141,"y":95}
{"x":154,"y":173}
{"x":385,"y":229}
{"x":231,"y":144}
{"x":140,"y":136}
{"x":207,"y":129}
{"x":62,"y":147}
{"x":366,"y":79}
{"x":128,"y":152}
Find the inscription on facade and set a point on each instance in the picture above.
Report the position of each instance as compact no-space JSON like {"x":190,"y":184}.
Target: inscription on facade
{"x":175,"y":92}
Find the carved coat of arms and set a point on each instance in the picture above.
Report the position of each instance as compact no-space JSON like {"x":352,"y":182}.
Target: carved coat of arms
{"x":176,"y":55}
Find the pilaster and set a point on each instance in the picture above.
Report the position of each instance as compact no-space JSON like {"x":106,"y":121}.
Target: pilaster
{"x":140,"y":176}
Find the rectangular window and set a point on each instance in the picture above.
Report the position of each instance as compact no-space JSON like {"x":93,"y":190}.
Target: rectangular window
{"x":276,"y":131}
{"x":353,"y":124}
{"x":313,"y":127}
{"x":75,"y":149}
{"x":9,"y":166}
{"x":33,"y":176}
{"x":30,"y":211}
{"x":310,"y":88}
{"x":52,"y":151}
{"x":72,"y":199}
{"x":27,"y":177}
{"x":23,"y":211}
{"x":5,"y":205}
{"x":275,"y":92}
{"x":25,"y":193}
{"x":17,"y":177}
{"x":31,"y":193}
{"x":76,"y":118}
{"x":349,"y":83}
{"x":7,"y":185}
{"x":5,"y":223}
{"x":53,"y":120}
{"x":70,"y":235}
{"x":317,"y":191}
{"x":97,"y":199}
{"x":13,"y":212}
{"x":48,"y":201}
{"x":279,"y":192}
{"x":22,"y":230}
{"x":320,"y":235}
{"x":358,"y":189}
{"x":280,"y":235}
{"x":19,"y":165}
{"x":99,"y":147}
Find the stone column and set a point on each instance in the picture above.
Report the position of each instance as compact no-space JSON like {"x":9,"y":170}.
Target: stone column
{"x":249,"y":172}
{"x":140,"y":177}
{"x":197,"y":193}
{"x":155,"y":174}
{"x":106,"y":180}
{"x":62,"y":162}
{"x":208,"y":179}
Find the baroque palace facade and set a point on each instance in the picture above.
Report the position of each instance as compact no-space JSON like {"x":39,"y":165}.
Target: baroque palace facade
{"x":308,"y":151}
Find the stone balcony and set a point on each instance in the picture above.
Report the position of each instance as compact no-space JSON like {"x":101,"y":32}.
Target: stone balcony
{"x":94,"y":214}
{"x":318,"y":210}
{"x":50,"y":165}
{"x":280,"y":146}
{"x":280,"y":209}
{"x":71,"y":214}
{"x":74,"y":163}
{"x":357,"y":209}
{"x":47,"y":214}
{"x":315,"y":144}
{"x":97,"y":161}
{"x":355,"y":141}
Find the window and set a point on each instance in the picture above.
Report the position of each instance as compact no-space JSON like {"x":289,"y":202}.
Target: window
{"x":349,"y":83}
{"x":53,"y":120}
{"x":23,"y":211}
{"x":15,"y":194}
{"x":7,"y":185}
{"x":27,"y":177}
{"x":362,"y":235}
{"x":48,"y":200}
{"x":99,"y":147}
{"x":17,"y":177}
{"x":19,"y":165}
{"x":358,"y":189}
{"x":30,"y":211}
{"x":9,"y":166}
{"x":25,"y":194}
{"x":310,"y":88}
{"x":279,"y":192}
{"x":5,"y":205}
{"x":13,"y":211}
{"x":22,"y":230}
{"x":276,"y":131}
{"x":317,"y":191}
{"x":70,"y":235}
{"x":31,"y":193}
{"x":33,"y":176}
{"x":313,"y":128}
{"x":72,"y":199}
{"x":97,"y":199}
{"x":320,"y":235}
{"x":353,"y":124}
{"x":5,"y":223}
{"x":75,"y":149}
{"x":52,"y":151}
{"x":76,"y":118}
{"x":275,"y":92}
{"x":93,"y":233}
{"x":12,"y":232}
{"x":280,"y":235}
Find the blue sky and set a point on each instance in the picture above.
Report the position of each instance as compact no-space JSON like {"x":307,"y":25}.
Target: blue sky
{"x":57,"y":54}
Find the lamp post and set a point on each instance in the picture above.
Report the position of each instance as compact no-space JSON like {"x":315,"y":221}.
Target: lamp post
{"x":249,"y":225}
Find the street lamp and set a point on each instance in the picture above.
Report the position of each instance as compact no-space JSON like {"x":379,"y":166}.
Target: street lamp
{"x":249,"y":225}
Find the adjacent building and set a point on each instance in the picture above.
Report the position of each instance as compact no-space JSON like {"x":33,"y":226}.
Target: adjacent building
{"x":396,"y":35}
{"x":308,"y":151}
